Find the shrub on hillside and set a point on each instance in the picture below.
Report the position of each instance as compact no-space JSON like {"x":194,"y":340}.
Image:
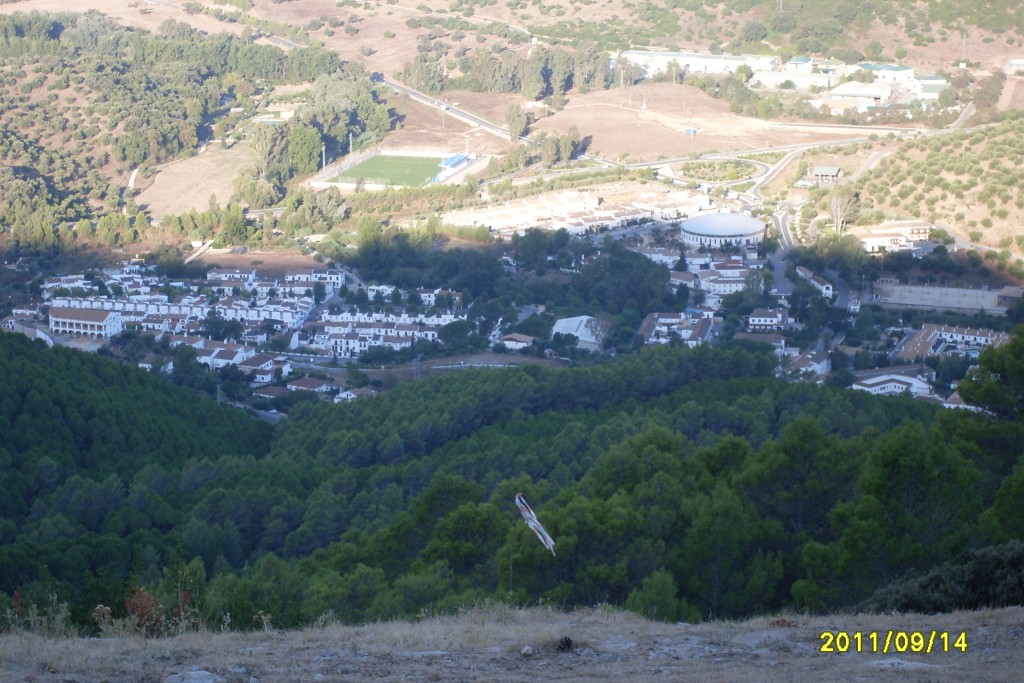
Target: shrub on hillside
{"x":987,"y":577}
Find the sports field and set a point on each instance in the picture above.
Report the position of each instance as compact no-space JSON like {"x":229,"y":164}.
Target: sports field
{"x":396,"y":170}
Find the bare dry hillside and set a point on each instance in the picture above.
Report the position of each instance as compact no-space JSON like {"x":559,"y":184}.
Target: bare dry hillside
{"x":502,"y":644}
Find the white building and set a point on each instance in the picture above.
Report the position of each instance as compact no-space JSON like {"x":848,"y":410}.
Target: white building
{"x":677,"y":278}
{"x":516,"y":341}
{"x":823,"y":286}
{"x":298,"y":283}
{"x":815,"y":363}
{"x":217,"y":355}
{"x":655,"y":62}
{"x":715,"y":230}
{"x":583,"y":327}
{"x":80,"y":322}
{"x":1014,"y":66}
{"x":890,"y":73}
{"x":259,"y":367}
{"x":666,"y":257}
{"x":774,"y":339}
{"x":929,"y":88}
{"x":936,"y":340}
{"x":384,"y":290}
{"x":800,"y":81}
{"x":765,"y":320}
{"x":893,"y":385}
{"x":662,"y":328}
{"x":247,"y":277}
{"x":718,"y":283}
{"x":892,"y":235}
{"x":66,"y":282}
{"x":860,"y":96}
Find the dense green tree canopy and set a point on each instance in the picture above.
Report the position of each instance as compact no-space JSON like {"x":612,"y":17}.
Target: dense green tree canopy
{"x":997,"y":384}
{"x":683,"y":484}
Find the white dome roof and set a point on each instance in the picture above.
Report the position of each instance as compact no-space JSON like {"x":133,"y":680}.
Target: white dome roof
{"x":724,"y":225}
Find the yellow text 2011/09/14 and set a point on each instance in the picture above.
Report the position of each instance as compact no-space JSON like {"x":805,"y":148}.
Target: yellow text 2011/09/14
{"x":885,"y":642}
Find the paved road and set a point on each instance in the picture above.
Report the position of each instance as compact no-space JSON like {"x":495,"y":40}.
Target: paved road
{"x":458,"y":112}
{"x":479,"y":121}
{"x":200,"y":251}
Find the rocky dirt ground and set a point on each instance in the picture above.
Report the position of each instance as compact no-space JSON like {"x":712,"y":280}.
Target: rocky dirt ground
{"x":526,"y":645}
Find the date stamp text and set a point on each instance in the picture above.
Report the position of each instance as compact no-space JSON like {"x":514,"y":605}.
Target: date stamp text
{"x":886,"y":642}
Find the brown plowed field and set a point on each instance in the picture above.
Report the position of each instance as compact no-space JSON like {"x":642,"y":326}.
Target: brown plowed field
{"x":650,"y":121}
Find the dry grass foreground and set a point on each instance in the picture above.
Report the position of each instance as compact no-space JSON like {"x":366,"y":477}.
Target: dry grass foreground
{"x":523,"y":645}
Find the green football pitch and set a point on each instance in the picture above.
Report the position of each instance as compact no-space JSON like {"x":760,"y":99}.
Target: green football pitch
{"x":396,"y":170}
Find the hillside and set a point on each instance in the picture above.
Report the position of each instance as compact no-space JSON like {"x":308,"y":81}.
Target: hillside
{"x":686,"y":484}
{"x":932,"y":34}
{"x":95,"y":101}
{"x":85,"y":449}
{"x":683,"y":484}
{"x":85,"y":102}
{"x":488,"y":644}
{"x":968,"y":182}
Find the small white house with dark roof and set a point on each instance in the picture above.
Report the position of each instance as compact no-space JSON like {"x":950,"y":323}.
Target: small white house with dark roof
{"x":352,"y":394}
{"x":677,"y":278}
{"x":270,"y":392}
{"x":816,"y":363}
{"x":767,"y":320}
{"x":516,"y":341}
{"x":221,"y":354}
{"x":260,"y":368}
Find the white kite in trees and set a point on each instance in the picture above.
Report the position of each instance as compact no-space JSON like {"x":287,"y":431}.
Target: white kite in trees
{"x":534,"y":523}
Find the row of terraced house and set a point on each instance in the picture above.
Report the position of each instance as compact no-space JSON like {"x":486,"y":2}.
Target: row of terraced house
{"x":351,"y":334}
{"x":103,"y":305}
{"x":76,"y":308}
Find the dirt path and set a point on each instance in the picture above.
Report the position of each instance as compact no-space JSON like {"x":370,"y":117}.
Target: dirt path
{"x":1012,"y":96}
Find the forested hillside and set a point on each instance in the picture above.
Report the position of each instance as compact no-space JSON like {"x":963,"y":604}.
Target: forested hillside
{"x":680,"y":483}
{"x":84,"y":101}
{"x":97,"y":463}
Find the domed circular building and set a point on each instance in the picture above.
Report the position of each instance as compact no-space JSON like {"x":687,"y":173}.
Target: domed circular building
{"x":715,"y":230}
